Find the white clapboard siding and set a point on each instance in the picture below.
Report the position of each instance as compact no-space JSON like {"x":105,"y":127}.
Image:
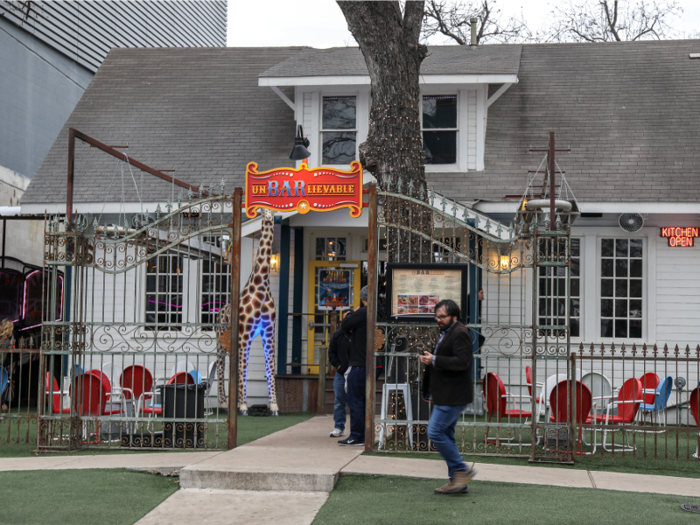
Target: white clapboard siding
{"x":471,"y":129}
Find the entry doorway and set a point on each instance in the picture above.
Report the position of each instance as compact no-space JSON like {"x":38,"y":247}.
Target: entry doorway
{"x":323,"y":296}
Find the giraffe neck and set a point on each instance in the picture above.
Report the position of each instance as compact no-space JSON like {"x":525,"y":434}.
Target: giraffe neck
{"x":262,"y":260}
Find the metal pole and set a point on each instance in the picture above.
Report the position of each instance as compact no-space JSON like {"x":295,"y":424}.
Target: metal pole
{"x":69,"y":186}
{"x":4,"y":232}
{"x":235,"y":293}
{"x":371,"y":318}
{"x":552,"y":219}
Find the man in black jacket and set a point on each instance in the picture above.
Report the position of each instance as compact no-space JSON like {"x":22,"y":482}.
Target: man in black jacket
{"x":356,"y":324}
{"x":448,"y":384}
{"x":338,"y":350}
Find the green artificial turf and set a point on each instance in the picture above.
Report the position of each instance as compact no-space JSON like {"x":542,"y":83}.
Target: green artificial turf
{"x":394,"y":500}
{"x":18,"y":438}
{"x":75,"y":497}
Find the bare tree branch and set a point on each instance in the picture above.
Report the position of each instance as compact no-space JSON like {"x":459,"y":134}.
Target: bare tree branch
{"x":611,"y":21}
{"x":452,"y":20}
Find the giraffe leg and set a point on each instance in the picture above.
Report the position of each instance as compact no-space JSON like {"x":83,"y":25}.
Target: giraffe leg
{"x":221,"y":369}
{"x":243,"y":353}
{"x":268,"y":339}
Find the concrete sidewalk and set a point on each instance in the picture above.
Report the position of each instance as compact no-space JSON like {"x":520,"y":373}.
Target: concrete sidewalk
{"x":286,"y":477}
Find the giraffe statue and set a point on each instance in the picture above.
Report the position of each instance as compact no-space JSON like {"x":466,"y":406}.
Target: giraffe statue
{"x":256,"y":316}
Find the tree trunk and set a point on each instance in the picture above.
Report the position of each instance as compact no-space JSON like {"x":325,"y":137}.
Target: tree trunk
{"x":393,"y":151}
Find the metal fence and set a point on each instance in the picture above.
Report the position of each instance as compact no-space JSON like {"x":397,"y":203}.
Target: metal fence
{"x":135,"y":358}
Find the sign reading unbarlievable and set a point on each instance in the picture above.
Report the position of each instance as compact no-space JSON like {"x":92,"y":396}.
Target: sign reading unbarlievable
{"x":303,"y":189}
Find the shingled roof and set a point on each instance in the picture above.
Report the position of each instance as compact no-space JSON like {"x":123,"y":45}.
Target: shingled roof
{"x":629,"y":111}
{"x":441,"y":60}
{"x":197,"y":111}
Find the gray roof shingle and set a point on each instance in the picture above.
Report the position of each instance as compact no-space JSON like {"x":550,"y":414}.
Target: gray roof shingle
{"x":441,"y":60}
{"x":198,"y":111}
{"x":629,"y":111}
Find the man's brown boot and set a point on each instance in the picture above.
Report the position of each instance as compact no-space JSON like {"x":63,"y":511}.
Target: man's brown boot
{"x":458,"y":483}
{"x":446,"y":488}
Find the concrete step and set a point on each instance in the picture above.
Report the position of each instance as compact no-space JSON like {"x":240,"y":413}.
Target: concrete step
{"x":301,"y":458}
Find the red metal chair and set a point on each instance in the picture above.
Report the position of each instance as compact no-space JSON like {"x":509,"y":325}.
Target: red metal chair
{"x":52,"y":389}
{"x":497,"y":402}
{"x":650,"y":381}
{"x":695,"y":410}
{"x":628,"y":400}
{"x":136,"y":382}
{"x":560,"y":402}
{"x":91,"y":396}
{"x":181,"y":378}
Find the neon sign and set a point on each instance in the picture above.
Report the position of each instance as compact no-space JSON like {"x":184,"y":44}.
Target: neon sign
{"x":680,"y":237}
{"x":303,"y":189}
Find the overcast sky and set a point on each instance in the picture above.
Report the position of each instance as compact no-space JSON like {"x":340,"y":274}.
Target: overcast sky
{"x":320,"y":23}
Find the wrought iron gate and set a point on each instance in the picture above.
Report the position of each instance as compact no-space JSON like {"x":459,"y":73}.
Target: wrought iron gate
{"x":131,"y":362}
{"x":520,"y":329}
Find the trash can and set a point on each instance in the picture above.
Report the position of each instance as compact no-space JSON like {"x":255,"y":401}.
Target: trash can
{"x":184,"y":402}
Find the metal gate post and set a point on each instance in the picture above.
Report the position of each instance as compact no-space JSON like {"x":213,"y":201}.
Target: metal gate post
{"x":372,"y":296}
{"x":235,"y":293}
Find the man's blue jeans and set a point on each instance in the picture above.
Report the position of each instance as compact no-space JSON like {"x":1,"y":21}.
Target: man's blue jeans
{"x":356,"y":401}
{"x":340,"y":401}
{"x":441,"y":431}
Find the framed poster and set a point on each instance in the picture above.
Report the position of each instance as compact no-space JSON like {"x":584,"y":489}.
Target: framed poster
{"x":334,"y":288}
{"x":413,"y":290}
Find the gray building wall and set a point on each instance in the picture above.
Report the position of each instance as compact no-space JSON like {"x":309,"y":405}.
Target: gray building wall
{"x":49,"y":55}
{"x":86,"y":31}
{"x":39,"y":87}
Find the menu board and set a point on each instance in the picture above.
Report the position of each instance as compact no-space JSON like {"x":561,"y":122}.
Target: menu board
{"x":415,"y":290}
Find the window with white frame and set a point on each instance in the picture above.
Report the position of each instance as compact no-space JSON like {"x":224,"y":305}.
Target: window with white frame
{"x":552,"y":292}
{"x":164,"y":292}
{"x":439,"y":128}
{"x":216,"y":290}
{"x":621,"y":288}
{"x":331,"y":248}
{"x":339,"y":129}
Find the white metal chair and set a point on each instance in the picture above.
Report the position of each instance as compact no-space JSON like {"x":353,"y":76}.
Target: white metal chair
{"x":601,"y":389}
{"x":406,"y":392}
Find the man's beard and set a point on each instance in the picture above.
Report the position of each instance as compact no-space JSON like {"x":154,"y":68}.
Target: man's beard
{"x":446,"y":327}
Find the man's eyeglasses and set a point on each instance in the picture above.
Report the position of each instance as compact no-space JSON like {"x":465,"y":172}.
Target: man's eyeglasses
{"x":441,"y":317}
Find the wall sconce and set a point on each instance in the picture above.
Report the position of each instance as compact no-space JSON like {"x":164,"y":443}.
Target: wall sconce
{"x":275,"y":263}
{"x":505,"y":262}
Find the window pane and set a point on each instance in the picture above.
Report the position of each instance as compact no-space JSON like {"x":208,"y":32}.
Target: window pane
{"x":574,"y":328}
{"x":606,"y":327}
{"x":620,"y":288}
{"x":338,"y":147}
{"x":621,"y":328}
{"x":635,"y":268}
{"x":440,"y":147}
{"x":635,"y":287}
{"x":621,"y":308}
{"x":575,"y":288}
{"x":606,"y":308}
{"x":606,"y":246}
{"x":574,"y":308}
{"x":440,"y":112}
{"x":575,"y":247}
{"x":606,"y":267}
{"x":606,"y":288}
{"x":636,"y":329}
{"x":340,"y":249}
{"x":320,"y":246}
{"x":636,"y":309}
{"x":574,"y":267}
{"x":621,"y":248}
{"x":636,"y":247}
{"x":621,"y":268}
{"x":339,"y":113}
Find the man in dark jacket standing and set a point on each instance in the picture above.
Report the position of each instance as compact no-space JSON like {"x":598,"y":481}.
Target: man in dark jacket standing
{"x":448,"y":384}
{"x":356,"y":324}
{"x":338,"y":350}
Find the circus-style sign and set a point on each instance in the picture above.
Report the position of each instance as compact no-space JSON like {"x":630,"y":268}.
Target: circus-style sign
{"x":303,"y":189}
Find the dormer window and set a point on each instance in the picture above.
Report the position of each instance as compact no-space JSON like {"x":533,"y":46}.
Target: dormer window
{"x":439,"y":127}
{"x":339,"y":130}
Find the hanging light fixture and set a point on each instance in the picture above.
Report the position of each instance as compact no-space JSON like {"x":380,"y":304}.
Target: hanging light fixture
{"x":299,"y":152}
